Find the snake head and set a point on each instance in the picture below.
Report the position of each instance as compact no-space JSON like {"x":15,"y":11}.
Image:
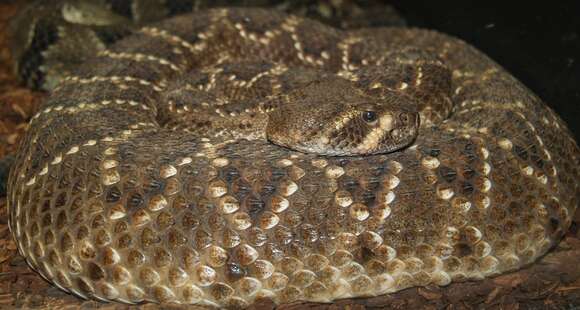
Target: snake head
{"x":344,"y":124}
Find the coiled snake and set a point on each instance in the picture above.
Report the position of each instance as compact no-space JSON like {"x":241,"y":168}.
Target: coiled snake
{"x":229,"y":155}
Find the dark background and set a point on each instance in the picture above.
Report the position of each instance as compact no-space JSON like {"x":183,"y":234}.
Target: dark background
{"x":538,"y":42}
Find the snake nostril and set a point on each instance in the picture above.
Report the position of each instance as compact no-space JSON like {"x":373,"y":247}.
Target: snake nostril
{"x":404,"y":117}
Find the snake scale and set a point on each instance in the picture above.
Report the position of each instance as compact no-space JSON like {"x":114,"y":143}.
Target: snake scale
{"x":228,"y":155}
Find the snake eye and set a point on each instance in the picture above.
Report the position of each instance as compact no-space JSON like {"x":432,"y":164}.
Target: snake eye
{"x":369,"y":116}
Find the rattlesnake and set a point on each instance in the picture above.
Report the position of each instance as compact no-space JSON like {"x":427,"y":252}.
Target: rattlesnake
{"x":235,"y":154}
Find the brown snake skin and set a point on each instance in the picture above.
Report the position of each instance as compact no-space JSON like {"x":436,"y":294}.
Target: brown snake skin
{"x":148,"y":175}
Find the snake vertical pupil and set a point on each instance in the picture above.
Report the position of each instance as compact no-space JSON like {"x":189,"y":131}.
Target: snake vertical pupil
{"x":369,"y":116}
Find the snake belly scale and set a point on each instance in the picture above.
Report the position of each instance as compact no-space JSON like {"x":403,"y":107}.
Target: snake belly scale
{"x":235,"y":154}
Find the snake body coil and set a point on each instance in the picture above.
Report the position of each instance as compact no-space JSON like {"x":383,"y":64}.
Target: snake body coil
{"x":229,"y":155}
